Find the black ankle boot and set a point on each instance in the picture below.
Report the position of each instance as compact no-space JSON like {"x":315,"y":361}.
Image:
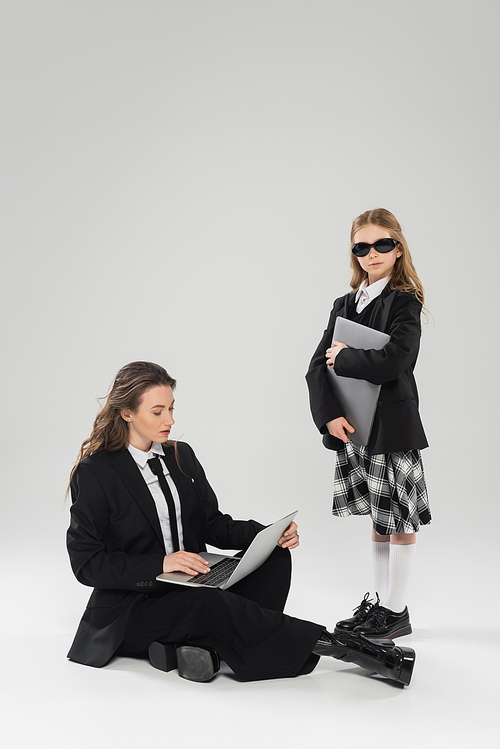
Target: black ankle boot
{"x":192,"y":662}
{"x":163,"y":655}
{"x":381,"y":656}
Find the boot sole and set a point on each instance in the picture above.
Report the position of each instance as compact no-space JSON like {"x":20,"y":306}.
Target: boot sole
{"x":192,"y":662}
{"x":196,"y":664}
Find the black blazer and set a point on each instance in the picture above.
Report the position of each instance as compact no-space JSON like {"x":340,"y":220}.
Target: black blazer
{"x":115,"y":542}
{"x":397,"y":426}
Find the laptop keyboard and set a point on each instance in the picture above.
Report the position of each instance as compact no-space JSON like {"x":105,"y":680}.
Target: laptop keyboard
{"x":219,"y":572}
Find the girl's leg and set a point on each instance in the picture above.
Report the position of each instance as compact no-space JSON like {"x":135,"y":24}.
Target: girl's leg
{"x":391,"y":618}
{"x":380,"y":569}
{"x":402,"y":552}
{"x":380,"y":564}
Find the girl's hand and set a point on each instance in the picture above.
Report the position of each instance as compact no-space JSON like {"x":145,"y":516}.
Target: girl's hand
{"x":331,"y":353}
{"x":185,"y":561}
{"x":337,"y":428}
{"x":290,"y":538}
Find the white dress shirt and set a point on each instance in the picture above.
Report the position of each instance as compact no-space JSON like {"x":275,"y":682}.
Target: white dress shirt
{"x":141,"y":458}
{"x":366,"y":294}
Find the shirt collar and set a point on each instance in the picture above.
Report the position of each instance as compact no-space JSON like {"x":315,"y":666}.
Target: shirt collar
{"x":141,"y":457}
{"x":372,"y":291}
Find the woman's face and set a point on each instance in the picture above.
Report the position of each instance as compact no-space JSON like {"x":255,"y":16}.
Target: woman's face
{"x":153,"y":419}
{"x":377,"y":264}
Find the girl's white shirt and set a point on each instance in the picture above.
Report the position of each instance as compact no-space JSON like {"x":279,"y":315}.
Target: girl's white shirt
{"x":141,"y":458}
{"x":366,"y":294}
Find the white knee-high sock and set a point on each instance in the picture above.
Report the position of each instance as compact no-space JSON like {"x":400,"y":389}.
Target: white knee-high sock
{"x":380,"y":566}
{"x":400,"y":564}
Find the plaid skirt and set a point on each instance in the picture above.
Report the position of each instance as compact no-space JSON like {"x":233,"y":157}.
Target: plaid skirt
{"x":389,"y":487}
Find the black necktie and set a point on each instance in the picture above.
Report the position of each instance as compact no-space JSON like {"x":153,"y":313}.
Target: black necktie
{"x":157,"y":468}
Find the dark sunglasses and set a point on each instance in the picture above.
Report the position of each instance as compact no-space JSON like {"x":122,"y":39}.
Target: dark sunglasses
{"x":360,"y":249}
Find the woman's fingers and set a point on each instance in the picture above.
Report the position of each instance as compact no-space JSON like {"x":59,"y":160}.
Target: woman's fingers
{"x":292,"y":543}
{"x":290,"y":538}
{"x":192,"y":570}
{"x":185,"y":561}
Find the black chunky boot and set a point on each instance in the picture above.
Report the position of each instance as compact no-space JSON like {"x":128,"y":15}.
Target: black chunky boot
{"x":192,"y":662}
{"x":381,"y":656}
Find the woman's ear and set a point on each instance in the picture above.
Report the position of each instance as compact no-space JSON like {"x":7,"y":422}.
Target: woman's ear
{"x":399,"y":252}
{"x":126,"y":414}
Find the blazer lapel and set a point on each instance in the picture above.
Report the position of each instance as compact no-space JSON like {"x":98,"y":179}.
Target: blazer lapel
{"x":349,"y":306}
{"x":127,"y":469}
{"x":382,"y":306}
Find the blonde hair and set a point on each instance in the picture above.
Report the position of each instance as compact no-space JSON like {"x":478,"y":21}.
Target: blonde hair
{"x":404,"y":276}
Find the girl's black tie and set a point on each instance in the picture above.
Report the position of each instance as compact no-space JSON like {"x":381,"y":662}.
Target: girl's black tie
{"x":156,"y":467}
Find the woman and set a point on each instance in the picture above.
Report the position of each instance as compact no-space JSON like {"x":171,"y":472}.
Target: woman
{"x":122,"y":535}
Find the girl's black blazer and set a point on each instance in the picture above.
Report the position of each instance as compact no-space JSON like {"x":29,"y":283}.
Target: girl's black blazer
{"x":115,"y":542}
{"x":397,"y":426}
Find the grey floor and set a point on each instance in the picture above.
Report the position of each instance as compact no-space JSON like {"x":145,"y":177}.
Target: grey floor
{"x":49,"y":701}
{"x":55,"y":703}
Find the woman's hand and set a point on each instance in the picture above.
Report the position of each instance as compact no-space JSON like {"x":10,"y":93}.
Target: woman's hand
{"x":290,"y":538}
{"x":185,"y":561}
{"x":337,"y":428}
{"x":331,"y":353}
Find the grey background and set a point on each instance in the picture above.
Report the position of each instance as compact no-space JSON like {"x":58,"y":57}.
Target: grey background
{"x":179,"y":180}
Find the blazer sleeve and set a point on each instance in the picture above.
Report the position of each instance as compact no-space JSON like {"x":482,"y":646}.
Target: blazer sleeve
{"x":94,"y":559}
{"x":395,"y":357}
{"x":324,"y":405}
{"x":220,"y":529}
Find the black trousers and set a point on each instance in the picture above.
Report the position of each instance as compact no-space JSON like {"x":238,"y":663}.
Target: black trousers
{"x":244,"y":624}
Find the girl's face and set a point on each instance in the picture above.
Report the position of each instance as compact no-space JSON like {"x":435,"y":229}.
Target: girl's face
{"x":377,"y":264}
{"x":153,"y":419}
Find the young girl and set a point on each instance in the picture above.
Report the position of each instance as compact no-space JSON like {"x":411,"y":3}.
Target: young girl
{"x":385,"y":478}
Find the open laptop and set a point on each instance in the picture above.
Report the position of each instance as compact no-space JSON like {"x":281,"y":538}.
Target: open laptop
{"x":358,"y":398}
{"x":226,"y":571}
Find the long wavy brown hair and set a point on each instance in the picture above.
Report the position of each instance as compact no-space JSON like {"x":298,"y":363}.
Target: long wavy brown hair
{"x":404,"y":276}
{"x":110,"y":431}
